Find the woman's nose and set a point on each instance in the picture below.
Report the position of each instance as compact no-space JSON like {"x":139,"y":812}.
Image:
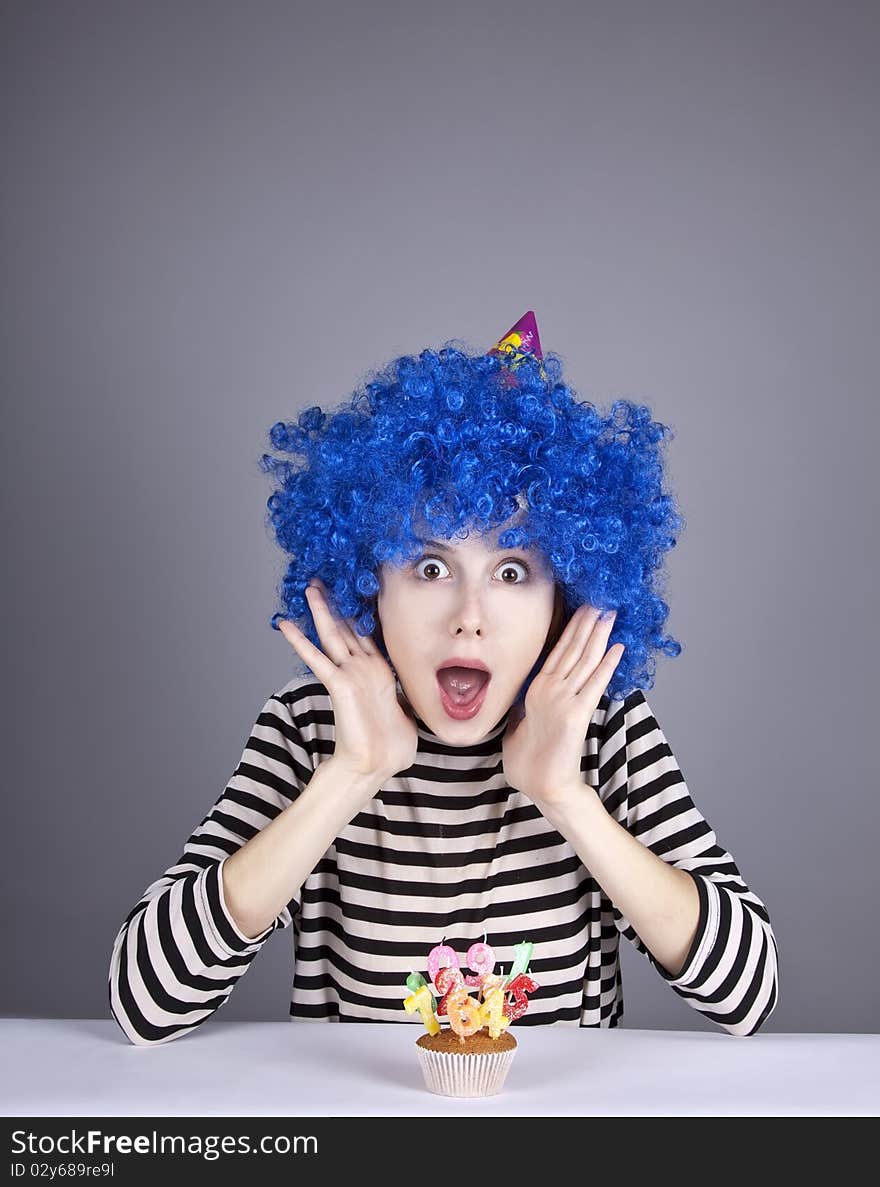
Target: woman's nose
{"x":469,"y":613}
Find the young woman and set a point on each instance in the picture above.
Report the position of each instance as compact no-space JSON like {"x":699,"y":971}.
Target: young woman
{"x":474,"y":592}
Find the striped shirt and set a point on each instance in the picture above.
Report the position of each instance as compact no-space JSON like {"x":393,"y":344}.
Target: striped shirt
{"x":446,"y":850}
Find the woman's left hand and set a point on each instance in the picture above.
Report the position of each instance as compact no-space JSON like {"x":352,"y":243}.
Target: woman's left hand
{"x":544,"y":740}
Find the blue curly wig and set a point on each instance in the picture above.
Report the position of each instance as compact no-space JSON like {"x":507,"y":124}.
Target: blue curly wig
{"x":455,"y":442}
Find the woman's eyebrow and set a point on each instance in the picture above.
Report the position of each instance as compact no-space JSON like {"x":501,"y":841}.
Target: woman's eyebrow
{"x":445,"y":547}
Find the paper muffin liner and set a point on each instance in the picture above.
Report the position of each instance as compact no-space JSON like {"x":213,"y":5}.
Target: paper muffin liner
{"x":449,"y":1074}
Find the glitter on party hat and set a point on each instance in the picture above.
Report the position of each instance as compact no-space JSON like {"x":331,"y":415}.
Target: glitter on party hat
{"x":519,"y":341}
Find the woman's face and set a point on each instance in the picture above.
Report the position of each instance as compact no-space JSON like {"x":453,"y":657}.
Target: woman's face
{"x":467,"y":599}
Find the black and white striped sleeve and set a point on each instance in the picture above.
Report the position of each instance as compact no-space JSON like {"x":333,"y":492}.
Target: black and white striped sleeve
{"x":730,"y":974}
{"x":179,"y":954}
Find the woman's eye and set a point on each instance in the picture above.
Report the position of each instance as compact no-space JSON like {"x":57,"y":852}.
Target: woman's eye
{"x":430,"y":573}
{"x":430,"y":562}
{"x":510,"y":566}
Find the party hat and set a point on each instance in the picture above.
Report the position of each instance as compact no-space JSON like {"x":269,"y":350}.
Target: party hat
{"x":519,"y":341}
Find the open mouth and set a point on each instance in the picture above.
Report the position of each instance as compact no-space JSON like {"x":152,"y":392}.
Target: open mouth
{"x":462,"y":689}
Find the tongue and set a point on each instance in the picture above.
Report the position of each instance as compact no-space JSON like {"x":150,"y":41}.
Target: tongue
{"x":461,"y":685}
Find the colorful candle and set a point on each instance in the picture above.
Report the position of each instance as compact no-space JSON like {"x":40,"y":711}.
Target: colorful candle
{"x":441,"y":956}
{"x":519,"y":987}
{"x":447,"y":980}
{"x":504,"y":998}
{"x":464,"y":1013}
{"x":522,"y":954}
{"x":421,"y":1001}
{"x":492,"y":1011}
{"x":415,"y":981}
{"x":481,"y":959}
{"x":492,"y":981}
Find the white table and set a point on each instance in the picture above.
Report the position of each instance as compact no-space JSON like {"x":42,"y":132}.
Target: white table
{"x":76,"y":1067}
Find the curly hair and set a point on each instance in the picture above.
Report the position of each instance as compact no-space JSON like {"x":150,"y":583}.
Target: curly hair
{"x":449,"y":441}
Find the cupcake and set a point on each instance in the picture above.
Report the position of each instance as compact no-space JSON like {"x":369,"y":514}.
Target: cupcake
{"x":474,"y":1065}
{"x":472,"y":1056}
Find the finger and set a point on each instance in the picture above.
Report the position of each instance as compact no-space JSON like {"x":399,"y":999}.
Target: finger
{"x":323,"y":668}
{"x":585,"y":620}
{"x":597,"y":680}
{"x":365,"y":642}
{"x":594,"y":649}
{"x":588,"y":644}
{"x":328,"y":626}
{"x":353,"y":640}
{"x":557,"y":661}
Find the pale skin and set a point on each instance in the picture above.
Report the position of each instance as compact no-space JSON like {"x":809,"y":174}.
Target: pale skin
{"x":376,"y":737}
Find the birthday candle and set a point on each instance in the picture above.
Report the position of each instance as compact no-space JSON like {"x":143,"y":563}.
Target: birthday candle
{"x":522,"y":954}
{"x":504,"y":998}
{"x":415,"y":981}
{"x":481,"y":959}
{"x":519,"y":987}
{"x":492,"y":981}
{"x":441,"y":956}
{"x":421,"y":1001}
{"x":448,"y":979}
{"x":464,"y":1013}
{"x":492,"y":1010}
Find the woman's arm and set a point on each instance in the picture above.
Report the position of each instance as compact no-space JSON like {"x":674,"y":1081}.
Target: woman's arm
{"x":185,"y":945}
{"x":677,"y":895}
{"x":263,"y":875}
{"x":661,"y":901}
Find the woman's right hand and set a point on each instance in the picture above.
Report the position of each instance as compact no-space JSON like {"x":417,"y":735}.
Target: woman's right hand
{"x":375,"y":736}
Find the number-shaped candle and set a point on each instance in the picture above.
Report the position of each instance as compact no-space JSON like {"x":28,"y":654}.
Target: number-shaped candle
{"x":522,"y":954}
{"x":492,"y":981}
{"x":421,"y":1001}
{"x":415,"y":981}
{"x":481,"y":959}
{"x":519,"y":987}
{"x":464,"y":1013}
{"x":492,"y":1010}
{"x":448,"y":979}
{"x":441,"y":956}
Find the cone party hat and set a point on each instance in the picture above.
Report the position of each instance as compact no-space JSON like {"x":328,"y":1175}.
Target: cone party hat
{"x":519,"y":341}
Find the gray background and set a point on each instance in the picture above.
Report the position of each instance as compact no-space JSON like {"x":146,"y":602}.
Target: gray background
{"x":201,"y":200}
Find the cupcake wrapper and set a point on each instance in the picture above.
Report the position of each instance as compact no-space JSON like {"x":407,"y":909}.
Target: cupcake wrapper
{"x":465,"y":1075}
